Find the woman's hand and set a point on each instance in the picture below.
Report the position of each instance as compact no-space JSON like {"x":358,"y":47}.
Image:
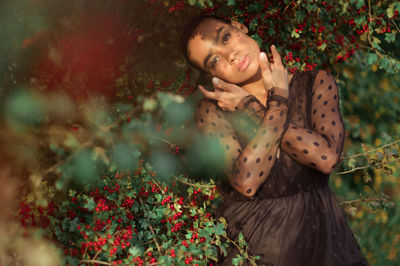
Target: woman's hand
{"x":274,"y":74}
{"x":228,"y":95}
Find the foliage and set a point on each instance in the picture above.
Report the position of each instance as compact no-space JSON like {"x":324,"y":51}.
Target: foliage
{"x":97,"y":107}
{"x":134,"y":218}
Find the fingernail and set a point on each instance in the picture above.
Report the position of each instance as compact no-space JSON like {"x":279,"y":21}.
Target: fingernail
{"x":273,"y":45}
{"x":263,"y":55}
{"x":215,"y":80}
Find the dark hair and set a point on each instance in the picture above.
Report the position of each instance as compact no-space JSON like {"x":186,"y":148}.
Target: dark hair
{"x":188,"y":32}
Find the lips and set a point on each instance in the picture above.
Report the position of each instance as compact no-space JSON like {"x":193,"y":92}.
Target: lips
{"x":244,"y":63}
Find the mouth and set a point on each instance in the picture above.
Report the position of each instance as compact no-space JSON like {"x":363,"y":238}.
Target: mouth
{"x":244,"y":63}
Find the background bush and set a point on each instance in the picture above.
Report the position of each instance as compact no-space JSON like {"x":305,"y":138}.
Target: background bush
{"x":97,"y":122}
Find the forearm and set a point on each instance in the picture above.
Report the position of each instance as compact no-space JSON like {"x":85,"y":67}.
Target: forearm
{"x":254,"y":163}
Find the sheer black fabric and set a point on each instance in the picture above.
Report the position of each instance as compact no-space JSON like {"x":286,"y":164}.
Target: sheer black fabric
{"x":278,"y":160}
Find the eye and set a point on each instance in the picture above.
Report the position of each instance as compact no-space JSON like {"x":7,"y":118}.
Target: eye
{"x":226,"y":37}
{"x":214,"y":61}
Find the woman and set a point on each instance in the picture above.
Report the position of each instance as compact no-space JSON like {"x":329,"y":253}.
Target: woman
{"x":278,"y":170}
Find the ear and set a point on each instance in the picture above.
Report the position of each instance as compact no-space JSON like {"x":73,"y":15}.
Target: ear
{"x":239,"y":26}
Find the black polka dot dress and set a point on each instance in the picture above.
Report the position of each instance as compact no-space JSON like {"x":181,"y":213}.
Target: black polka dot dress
{"x":278,"y":159}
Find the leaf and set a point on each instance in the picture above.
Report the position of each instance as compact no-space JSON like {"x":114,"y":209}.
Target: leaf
{"x":352,"y":210}
{"x":238,"y":260}
{"x":136,"y":251}
{"x":90,"y":204}
{"x":300,"y":15}
{"x":73,"y":224}
{"x":376,"y":42}
{"x":372,"y":58}
{"x":144,"y":223}
{"x":390,"y":11}
{"x":351,"y":163}
{"x":223,"y":250}
{"x":231,"y":2}
{"x":390,"y":37}
{"x":367,"y":177}
{"x":294,"y":34}
{"x":223,"y":221}
{"x":72,"y":261}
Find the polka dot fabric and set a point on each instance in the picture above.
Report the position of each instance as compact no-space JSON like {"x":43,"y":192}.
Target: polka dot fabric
{"x":248,"y":165}
{"x":277,"y":191}
{"x":320,"y":146}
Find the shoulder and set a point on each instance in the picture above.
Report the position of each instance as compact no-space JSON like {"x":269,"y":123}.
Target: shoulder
{"x":324,"y":80}
{"x":323,"y":74}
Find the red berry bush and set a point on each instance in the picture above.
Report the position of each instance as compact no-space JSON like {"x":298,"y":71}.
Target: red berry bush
{"x":98,"y":131}
{"x":134,"y":218}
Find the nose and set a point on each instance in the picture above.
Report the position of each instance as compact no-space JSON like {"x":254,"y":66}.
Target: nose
{"x":232,"y":56}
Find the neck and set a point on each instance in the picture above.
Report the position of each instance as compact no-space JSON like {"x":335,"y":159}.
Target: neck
{"x":255,"y":86}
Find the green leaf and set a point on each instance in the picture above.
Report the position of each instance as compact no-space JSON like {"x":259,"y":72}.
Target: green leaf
{"x":219,"y":229}
{"x":390,"y":37}
{"x":144,"y":223}
{"x":72,"y":261}
{"x":372,"y":58}
{"x":90,"y":204}
{"x":360,"y":20}
{"x":136,"y":251}
{"x":359,"y":3}
{"x":300,"y":15}
{"x":73,"y":224}
{"x":231,"y":2}
{"x":294,"y":34}
{"x":237,"y":261}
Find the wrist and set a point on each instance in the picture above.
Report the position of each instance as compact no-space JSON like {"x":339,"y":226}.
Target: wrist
{"x":245,"y":101}
{"x":277,"y":96}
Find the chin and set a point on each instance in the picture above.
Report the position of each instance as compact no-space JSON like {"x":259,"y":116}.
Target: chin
{"x":250,"y":74}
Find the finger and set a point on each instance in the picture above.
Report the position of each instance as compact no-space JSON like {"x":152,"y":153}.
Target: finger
{"x":220,"y":84}
{"x":264,"y":64}
{"x":208,"y":94}
{"x":276,"y":55}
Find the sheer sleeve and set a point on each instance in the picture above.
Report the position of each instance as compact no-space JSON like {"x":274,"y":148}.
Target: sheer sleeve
{"x":321,"y":146}
{"x":246,"y":167}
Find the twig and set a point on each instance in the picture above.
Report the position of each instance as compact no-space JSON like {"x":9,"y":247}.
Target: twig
{"x":84,"y":253}
{"x":350,"y":202}
{"x":364,"y":167}
{"x":287,"y":7}
{"x":395,"y":24}
{"x":194,"y":185}
{"x":241,"y":250}
{"x":97,"y":254}
{"x":154,"y":234}
{"x":353,"y":170}
{"x":166,"y":141}
{"x":363,"y":153}
{"x":158,"y":185}
{"x":95,"y":261}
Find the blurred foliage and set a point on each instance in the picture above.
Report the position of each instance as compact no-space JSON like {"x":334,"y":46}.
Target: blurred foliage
{"x":88,"y":89}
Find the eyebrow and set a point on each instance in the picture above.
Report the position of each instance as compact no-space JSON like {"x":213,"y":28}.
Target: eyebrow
{"x":215,"y":41}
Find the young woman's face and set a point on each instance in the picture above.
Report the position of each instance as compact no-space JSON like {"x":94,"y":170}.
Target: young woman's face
{"x":225,"y":51}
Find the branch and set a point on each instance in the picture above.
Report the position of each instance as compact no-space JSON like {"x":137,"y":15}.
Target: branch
{"x":194,"y":185}
{"x":240,"y":250}
{"x":364,"y":167}
{"x":152,"y":231}
{"x":363,"y":153}
{"x":350,"y":202}
{"x":166,"y":141}
{"x":96,"y":261}
{"x":353,"y":170}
